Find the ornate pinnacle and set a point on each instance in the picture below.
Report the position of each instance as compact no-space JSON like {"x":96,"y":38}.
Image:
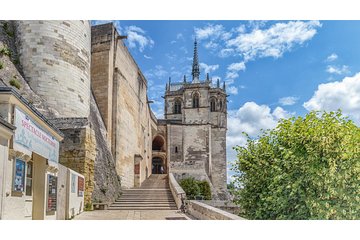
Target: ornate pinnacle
{"x":195,"y":67}
{"x":184,"y":78}
{"x":224,"y":86}
{"x":207,"y":77}
{"x":218,"y":83}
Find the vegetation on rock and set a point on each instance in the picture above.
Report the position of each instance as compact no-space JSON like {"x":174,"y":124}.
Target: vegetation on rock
{"x":305,"y":168}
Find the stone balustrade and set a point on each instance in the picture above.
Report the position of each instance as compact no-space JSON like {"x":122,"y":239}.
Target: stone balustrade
{"x":176,"y":190}
{"x":203,"y":211}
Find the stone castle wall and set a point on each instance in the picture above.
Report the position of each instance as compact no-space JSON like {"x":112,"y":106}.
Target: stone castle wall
{"x":120,"y":90}
{"x":55,"y":57}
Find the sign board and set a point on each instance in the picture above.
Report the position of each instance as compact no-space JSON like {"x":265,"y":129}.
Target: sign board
{"x":29,"y":137}
{"x":19,"y":180}
{"x":80,"y":186}
{"x":52,"y":193}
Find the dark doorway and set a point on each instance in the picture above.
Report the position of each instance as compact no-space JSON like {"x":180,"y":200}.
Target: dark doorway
{"x":157,"y":166}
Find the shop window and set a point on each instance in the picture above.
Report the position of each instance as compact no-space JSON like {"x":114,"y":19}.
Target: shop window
{"x":19,"y":176}
{"x":29,"y":173}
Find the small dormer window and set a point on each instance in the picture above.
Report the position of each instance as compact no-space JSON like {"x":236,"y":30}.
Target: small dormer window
{"x":196,"y":100}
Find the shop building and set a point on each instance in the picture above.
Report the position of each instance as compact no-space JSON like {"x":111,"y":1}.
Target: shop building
{"x":29,"y":161}
{"x":6,"y":132}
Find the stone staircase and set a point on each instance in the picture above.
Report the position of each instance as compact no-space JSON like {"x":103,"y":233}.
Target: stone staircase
{"x":154,"y":194}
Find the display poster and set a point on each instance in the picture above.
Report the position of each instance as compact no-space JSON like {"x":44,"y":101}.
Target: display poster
{"x":29,"y":137}
{"x":52,"y":193}
{"x":73,"y":183}
{"x":19,"y":180}
{"x":80,"y":186}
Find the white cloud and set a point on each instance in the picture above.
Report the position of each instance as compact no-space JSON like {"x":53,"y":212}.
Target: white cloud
{"x":233,"y":70}
{"x":338,"y":70}
{"x":210,"y":31}
{"x":232,"y":90}
{"x":209,"y":68}
{"x":332,"y":57}
{"x":211,"y":45}
{"x":344,"y":95}
{"x":274,"y":41}
{"x":173,"y":42}
{"x":136,"y":38}
{"x":226,"y":52}
{"x":237,"y":67}
{"x":232,"y":75}
{"x":147,"y":57}
{"x":288,"y":101}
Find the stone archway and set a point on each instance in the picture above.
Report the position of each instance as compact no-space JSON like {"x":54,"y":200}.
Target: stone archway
{"x":157,"y":166}
{"x":158,"y":144}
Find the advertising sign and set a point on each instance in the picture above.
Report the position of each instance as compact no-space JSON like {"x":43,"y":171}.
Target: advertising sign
{"x":29,"y":136}
{"x":80,"y":186}
{"x":19,"y":175}
{"x":52,"y":193}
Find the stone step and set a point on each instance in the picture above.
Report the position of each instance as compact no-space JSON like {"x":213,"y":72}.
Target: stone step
{"x":146,"y":195}
{"x":144,"y":200}
{"x":147,"y":198}
{"x":143,"y":205}
{"x":142,"y":208}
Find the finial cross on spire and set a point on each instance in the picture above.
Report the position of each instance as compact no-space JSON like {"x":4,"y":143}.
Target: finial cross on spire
{"x":195,"y":67}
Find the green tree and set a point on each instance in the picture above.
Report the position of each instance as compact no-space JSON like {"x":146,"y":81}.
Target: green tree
{"x":305,"y":168}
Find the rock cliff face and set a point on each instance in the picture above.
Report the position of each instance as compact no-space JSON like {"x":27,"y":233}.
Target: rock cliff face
{"x":85,"y":148}
{"x":106,"y":181}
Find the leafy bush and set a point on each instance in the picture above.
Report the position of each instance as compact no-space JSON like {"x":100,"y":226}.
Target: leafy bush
{"x":15,"y":83}
{"x":88,"y":207}
{"x":306,"y":168}
{"x":190,"y":186}
{"x":194,"y":188}
{"x":205,"y":190}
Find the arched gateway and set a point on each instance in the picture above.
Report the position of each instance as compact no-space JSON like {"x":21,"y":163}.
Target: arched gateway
{"x":159,"y":165}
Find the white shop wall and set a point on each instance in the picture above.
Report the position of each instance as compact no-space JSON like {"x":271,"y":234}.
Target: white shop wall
{"x":76,"y":187}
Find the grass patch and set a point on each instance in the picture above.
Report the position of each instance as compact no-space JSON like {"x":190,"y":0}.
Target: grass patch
{"x":15,"y":83}
{"x":5,"y":51}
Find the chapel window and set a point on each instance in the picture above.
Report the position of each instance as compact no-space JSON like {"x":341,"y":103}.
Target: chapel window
{"x":177,"y":106}
{"x":196,"y":100}
{"x":212,"y":105}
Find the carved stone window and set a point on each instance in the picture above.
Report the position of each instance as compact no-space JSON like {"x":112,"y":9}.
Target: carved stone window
{"x":177,"y":106}
{"x":213,"y":105}
{"x":195,"y":101}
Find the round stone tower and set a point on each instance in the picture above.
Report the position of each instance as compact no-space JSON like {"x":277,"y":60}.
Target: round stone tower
{"x":55,"y":57}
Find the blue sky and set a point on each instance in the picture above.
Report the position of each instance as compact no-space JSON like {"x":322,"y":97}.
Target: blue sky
{"x":273,"y":69}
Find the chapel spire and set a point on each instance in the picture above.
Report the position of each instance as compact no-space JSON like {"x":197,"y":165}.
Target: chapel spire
{"x":195,"y":67}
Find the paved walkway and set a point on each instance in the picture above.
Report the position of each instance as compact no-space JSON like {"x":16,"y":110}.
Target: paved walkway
{"x":132,"y":215}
